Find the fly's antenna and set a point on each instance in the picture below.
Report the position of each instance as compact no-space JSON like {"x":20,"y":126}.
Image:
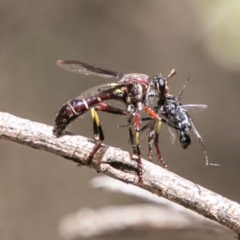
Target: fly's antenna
{"x":179,"y":96}
{"x":171,"y":74}
{"x":203,"y":146}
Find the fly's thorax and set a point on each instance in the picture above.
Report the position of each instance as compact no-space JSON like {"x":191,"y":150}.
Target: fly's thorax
{"x":136,"y":93}
{"x":135,"y":78}
{"x":139,"y":106}
{"x":169,"y":108}
{"x":131,"y":108}
{"x":138,"y":86}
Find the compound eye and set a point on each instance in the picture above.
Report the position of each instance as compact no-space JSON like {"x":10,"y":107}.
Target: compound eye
{"x":185,"y":140}
{"x":160,"y":84}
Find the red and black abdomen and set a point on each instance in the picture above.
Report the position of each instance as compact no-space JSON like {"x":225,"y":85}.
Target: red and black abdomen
{"x":70,"y":111}
{"x":78,"y":106}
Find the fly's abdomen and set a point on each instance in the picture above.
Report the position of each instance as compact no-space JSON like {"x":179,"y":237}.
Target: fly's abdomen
{"x":70,"y":111}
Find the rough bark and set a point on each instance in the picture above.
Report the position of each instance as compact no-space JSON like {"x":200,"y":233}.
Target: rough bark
{"x":118,"y":164}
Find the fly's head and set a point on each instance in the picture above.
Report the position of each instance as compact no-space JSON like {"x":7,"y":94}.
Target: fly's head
{"x":160,"y":84}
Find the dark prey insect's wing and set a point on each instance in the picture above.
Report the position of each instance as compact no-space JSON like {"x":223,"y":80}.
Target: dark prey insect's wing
{"x":171,"y":133}
{"x":194,"y":108}
{"x":84,"y":68}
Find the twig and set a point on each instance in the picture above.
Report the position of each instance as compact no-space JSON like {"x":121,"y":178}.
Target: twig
{"x":88,"y":223}
{"x":160,"y":215}
{"x":118,"y":164}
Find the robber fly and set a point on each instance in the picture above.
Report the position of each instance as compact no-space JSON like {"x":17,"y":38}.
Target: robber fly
{"x":133,"y":89}
{"x":175,"y":116}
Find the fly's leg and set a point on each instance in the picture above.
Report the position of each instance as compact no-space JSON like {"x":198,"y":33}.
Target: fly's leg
{"x":150,"y":125}
{"x":155,"y":116}
{"x":136,"y":145}
{"x":73,"y":109}
{"x":131,"y":134}
{"x":104,"y":107}
{"x":98,"y":135}
{"x":156,"y":144}
{"x":77,"y":107}
{"x":132,"y":141}
{"x":202,"y":144}
{"x":150,"y":143}
{"x":134,"y":120}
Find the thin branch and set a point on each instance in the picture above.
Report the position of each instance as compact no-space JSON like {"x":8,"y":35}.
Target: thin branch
{"x":157,"y":215}
{"x":110,"y":220}
{"x":118,"y":164}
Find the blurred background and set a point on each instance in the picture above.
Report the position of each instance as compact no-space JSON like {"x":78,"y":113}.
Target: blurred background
{"x":200,"y":39}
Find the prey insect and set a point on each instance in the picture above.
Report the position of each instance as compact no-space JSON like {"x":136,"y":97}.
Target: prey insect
{"x":175,"y":116}
{"x":133,"y":89}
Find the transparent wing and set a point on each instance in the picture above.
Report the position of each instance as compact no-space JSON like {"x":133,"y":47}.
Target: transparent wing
{"x":195,"y":108}
{"x":147,"y":128}
{"x":150,"y":126}
{"x":87,"y":69}
{"x":94,"y":91}
{"x":171,"y":133}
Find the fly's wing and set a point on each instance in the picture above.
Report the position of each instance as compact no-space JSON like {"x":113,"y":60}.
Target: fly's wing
{"x":195,"y":108}
{"x":171,"y":133}
{"x":151,"y":96}
{"x":150,"y":126}
{"x":95,"y":91}
{"x":87,"y":69}
{"x":148,"y":130}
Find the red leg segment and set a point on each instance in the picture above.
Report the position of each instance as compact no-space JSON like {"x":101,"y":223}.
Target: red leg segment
{"x":155,"y":116}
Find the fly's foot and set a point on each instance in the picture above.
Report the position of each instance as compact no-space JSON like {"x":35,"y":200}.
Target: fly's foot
{"x":139,"y":169}
{"x":94,"y":150}
{"x":150,"y":156}
{"x":163,"y":164}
